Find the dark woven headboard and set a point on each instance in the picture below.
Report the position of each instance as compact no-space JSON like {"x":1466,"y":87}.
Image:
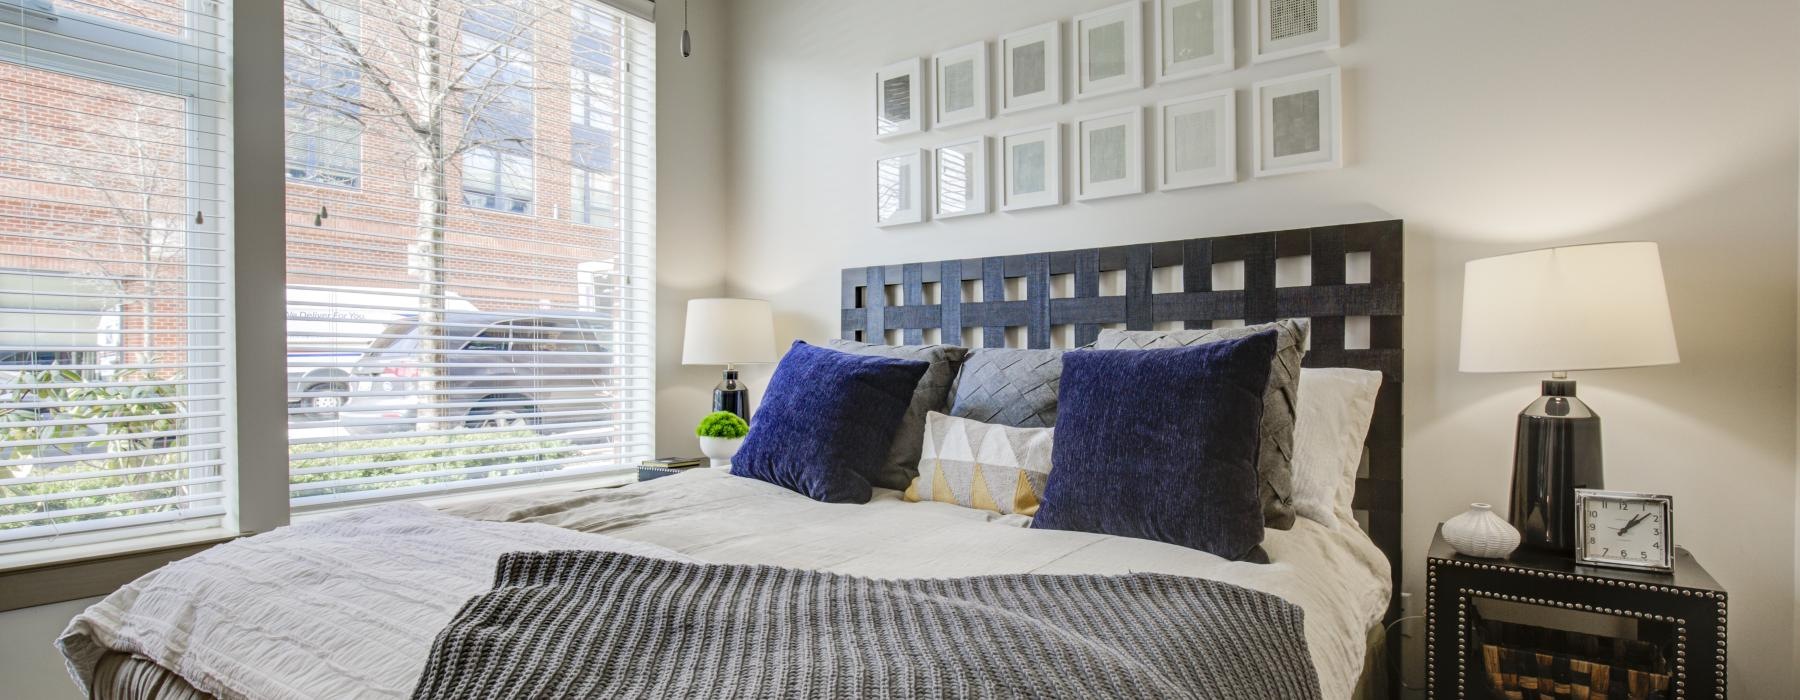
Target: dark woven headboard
{"x":1347,"y":279}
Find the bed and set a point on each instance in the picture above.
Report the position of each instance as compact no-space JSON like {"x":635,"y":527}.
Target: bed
{"x":347,"y":606}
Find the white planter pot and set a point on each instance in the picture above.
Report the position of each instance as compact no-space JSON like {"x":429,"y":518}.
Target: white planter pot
{"x":720,"y":450}
{"x":1480,"y":532}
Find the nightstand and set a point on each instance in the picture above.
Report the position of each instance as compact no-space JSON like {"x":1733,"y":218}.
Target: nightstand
{"x":1534,"y":615}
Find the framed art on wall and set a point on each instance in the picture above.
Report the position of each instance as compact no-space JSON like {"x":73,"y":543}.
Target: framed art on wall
{"x":900,"y":188}
{"x":1031,"y":168}
{"x":959,"y":78}
{"x":1193,"y":38}
{"x":1299,"y":123}
{"x":1198,"y":140}
{"x":1109,"y":50}
{"x":1031,"y":68}
{"x":959,"y":179}
{"x":1293,"y":27}
{"x":898,"y":98}
{"x":1110,"y":150}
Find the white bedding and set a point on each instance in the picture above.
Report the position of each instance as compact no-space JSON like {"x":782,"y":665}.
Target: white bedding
{"x":348,"y":607}
{"x":1336,"y":574}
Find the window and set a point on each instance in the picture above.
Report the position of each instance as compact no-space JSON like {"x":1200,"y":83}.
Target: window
{"x":324,"y":94}
{"x":114,"y":224}
{"x":495,"y":57}
{"x":433,"y":345}
{"x":595,"y":105}
{"x":497,"y":179}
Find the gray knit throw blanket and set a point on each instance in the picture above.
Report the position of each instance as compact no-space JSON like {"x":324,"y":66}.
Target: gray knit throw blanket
{"x":608,"y":625}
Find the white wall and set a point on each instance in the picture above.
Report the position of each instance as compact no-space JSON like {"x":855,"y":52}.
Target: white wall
{"x":1488,"y":127}
{"x":690,"y":212}
{"x":29,"y":662}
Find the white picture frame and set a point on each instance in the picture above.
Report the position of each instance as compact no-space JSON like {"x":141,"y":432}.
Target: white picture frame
{"x":1193,"y":38}
{"x":959,"y":79}
{"x":899,"y":99}
{"x":1299,"y":123}
{"x":959,"y":184}
{"x":1196,"y":140}
{"x":1109,"y":50}
{"x":1031,"y":172}
{"x":1031,"y":68}
{"x":1285,"y":28}
{"x":1109,"y":152}
{"x":900,"y":188}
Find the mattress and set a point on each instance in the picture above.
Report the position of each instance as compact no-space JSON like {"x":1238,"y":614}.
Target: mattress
{"x":325,"y":623}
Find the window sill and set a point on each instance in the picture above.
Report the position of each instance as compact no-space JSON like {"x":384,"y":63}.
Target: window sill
{"x":581,"y":483}
{"x":29,"y":579}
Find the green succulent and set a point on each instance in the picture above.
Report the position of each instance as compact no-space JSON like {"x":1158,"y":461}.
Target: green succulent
{"x":722,"y":424}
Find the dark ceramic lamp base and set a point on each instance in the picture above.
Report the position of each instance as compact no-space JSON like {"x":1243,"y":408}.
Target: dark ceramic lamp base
{"x":1557,"y":451}
{"x":731,"y":395}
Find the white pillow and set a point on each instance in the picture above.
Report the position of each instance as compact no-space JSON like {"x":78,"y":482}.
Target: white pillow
{"x":1336,"y":406}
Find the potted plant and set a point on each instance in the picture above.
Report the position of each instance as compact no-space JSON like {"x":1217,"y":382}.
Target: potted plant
{"x":721,"y":434}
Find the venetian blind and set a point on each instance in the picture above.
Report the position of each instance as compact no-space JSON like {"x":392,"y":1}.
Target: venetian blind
{"x":471,"y":198}
{"x":115,"y":232}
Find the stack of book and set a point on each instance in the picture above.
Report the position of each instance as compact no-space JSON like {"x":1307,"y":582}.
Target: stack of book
{"x":674,"y":462}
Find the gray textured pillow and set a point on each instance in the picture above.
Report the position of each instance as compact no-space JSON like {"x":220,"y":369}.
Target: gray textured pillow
{"x":1280,"y":400}
{"x":1009,"y":387}
{"x":932,"y":394}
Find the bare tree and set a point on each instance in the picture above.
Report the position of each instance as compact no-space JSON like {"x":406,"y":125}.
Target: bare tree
{"x":450,"y":76}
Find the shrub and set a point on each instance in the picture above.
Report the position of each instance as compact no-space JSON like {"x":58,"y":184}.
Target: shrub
{"x":722,"y":424}
{"x":129,"y":430}
{"x":439,"y":454}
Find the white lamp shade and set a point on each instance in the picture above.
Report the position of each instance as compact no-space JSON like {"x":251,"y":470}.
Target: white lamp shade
{"x":728,"y":332}
{"x":1599,"y":306}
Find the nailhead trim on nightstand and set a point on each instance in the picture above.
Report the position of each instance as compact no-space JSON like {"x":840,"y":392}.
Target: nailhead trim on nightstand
{"x":1464,"y":594}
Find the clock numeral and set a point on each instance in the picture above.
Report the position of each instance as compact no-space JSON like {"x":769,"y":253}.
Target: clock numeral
{"x":1593,"y":514}
{"x":1605,"y":550}
{"x":1656,"y":545}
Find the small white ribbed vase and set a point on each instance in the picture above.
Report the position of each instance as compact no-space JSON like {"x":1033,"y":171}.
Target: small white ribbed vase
{"x":1480,"y":532}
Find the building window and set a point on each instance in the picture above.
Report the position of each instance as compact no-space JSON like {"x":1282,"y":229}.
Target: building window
{"x":324,"y":94}
{"x":496,"y":56}
{"x":497,"y":179}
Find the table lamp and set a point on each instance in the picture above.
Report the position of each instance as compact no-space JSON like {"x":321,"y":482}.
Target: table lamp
{"x":1558,"y":310}
{"x":729,"y":332}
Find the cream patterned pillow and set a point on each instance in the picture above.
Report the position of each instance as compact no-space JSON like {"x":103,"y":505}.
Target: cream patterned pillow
{"x":982,"y":465}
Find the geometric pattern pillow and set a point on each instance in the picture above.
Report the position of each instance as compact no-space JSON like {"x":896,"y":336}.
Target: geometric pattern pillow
{"x":983,"y":466}
{"x":1281,"y":399}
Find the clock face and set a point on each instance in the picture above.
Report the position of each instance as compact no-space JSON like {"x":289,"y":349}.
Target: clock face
{"x":1621,"y":529}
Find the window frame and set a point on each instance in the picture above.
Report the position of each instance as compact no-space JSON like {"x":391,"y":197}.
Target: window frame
{"x":194,"y":67}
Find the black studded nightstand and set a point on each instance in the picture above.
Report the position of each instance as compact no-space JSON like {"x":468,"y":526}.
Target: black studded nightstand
{"x":1536,"y":618}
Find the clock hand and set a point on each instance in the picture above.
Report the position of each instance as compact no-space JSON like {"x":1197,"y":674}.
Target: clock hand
{"x":1634,"y":521}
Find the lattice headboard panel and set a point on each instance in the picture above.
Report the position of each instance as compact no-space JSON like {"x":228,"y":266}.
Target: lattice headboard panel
{"x":1347,"y":279}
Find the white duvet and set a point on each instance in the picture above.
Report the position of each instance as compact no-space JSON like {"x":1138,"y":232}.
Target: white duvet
{"x":348,"y":607}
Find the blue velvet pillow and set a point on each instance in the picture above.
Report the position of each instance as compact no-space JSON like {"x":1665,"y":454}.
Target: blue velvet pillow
{"x":1162,"y":445}
{"x":827,"y":422}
